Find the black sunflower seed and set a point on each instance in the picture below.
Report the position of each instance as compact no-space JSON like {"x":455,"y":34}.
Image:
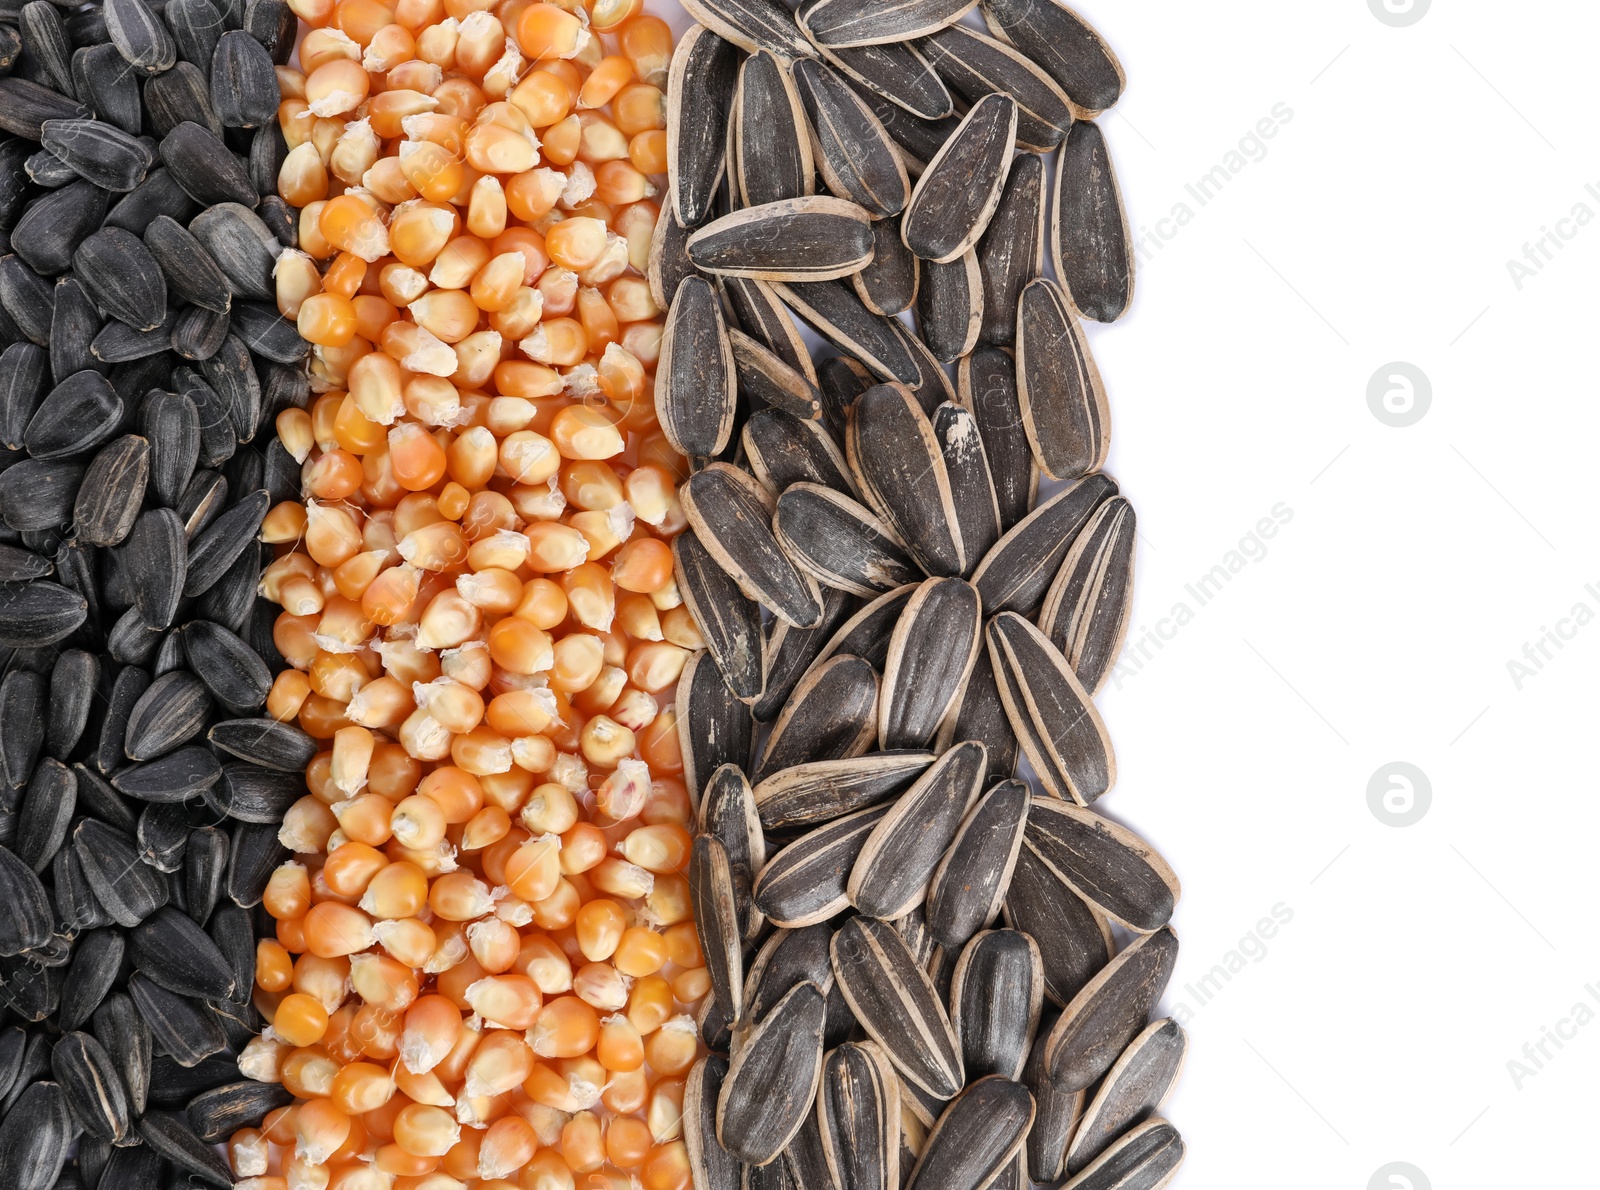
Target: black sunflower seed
{"x":977,"y":1137}
{"x":266,"y":742}
{"x":120,"y":1027}
{"x":177,"y":954}
{"x":27,"y":922}
{"x":831,"y":715}
{"x":728,"y":814}
{"x":169,"y":714}
{"x":35,"y":1137}
{"x":857,"y":22}
{"x":218,"y":1113}
{"x":975,"y":66}
{"x":96,"y":965}
{"x":249,"y":793}
{"x":170,"y":1135}
{"x":728,"y":619}
{"x":190,"y":270}
{"x":22,"y":709}
{"x":255,"y":853}
{"x":220,"y":544}
{"x":790,"y":652}
{"x":196,"y":25}
{"x":47,"y":808}
{"x":1110,"y":1010}
{"x":783,"y":450}
{"x":24,"y":379}
{"x":1063,"y":400}
{"x":73,"y":682}
{"x":809,"y":794}
{"x":128,"y":888}
{"x":1104,"y":863}
{"x":122,"y":277}
{"x":931,"y":655}
{"x":1144,"y":1159}
{"x":960,"y":188}
{"x":74,"y":327}
{"x":805,"y":882}
{"x":761,"y":315}
{"x":1059,"y":40}
{"x":244,"y":89}
{"x":91,"y":1085}
{"x":852,"y":150}
{"x":185,"y":1028}
{"x":99,"y":152}
{"x":205,"y":871}
{"x":39,"y":613}
{"x":198,"y":333}
{"x":987,"y":384}
{"x":950,"y":306}
{"x":771,"y":1083}
{"x":205,"y":167}
{"x":996,"y":993}
{"x":182,"y":96}
{"x":714,"y":1168}
{"x":969,"y":885}
{"x":702,"y":78}
{"x":1132,"y":1091}
{"x":1090,"y":244}
{"x":79,"y":414}
{"x":695,"y":398}
{"x":902,"y":476}
{"x":46,"y":40}
{"x":156,"y":557}
{"x":810,"y":238}
{"x":25,"y":106}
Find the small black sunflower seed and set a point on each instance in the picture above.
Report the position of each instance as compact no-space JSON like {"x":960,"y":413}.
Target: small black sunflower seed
{"x":273,"y":24}
{"x":1145,"y":1158}
{"x":765,"y":376}
{"x":728,"y":619}
{"x":810,"y":238}
{"x":39,"y":613}
{"x":177,"y":954}
{"x":170,"y":1135}
{"x":138,"y":1168}
{"x":185,"y":1028}
{"x":35,"y":1138}
{"x":267,"y":742}
{"x":156,"y":557}
{"x":129,"y":889}
{"x":244,"y":89}
{"x":1065,"y":45}
{"x":122,"y":277}
{"x":202,"y":501}
{"x":73,"y":682}
{"x":47,"y":808}
{"x":198,"y":333}
{"x":196,"y":25}
{"x":950,"y":306}
{"x":206,"y":168}
{"x":219,"y":545}
{"x":27,"y":922}
{"x":125,"y":1034}
{"x":858,"y":1108}
{"x":24,"y":376}
{"x":774,"y":146}
{"x":1133,"y":1090}
{"x":809,"y":794}
{"x":231,"y":929}
{"x":18,"y":565}
{"x":771,"y":1083}
{"x":46,"y":40}
{"x":74,"y":325}
{"x":931,"y":655}
{"x":971,"y":881}
{"x":229,"y":601}
{"x":255,"y":854}
{"x":805,"y":882}
{"x":831,"y":715}
{"x":190,"y":270}
{"x":162,"y":835}
{"x":858,"y":22}
{"x":712,"y":892}
{"x":713,"y":1167}
{"x":891,"y":874}
{"x":231,"y":373}
{"x":852,"y":150}
{"x":140,"y":36}
{"x":205,"y":870}
{"x":79,"y":414}
{"x":182,"y":96}
{"x":158,"y":194}
{"x":96,"y":964}
{"x":172,"y":1086}
{"x":761,"y":315}
{"x":119,"y":343}
{"x":268,"y":334}
{"x":25,"y":106}
{"x":48,"y":170}
{"x":249,"y":793}
{"x":696,"y":396}
{"x":101,"y":800}
{"x":218,"y":1113}
{"x":91,"y":1085}
{"x":37,"y":494}
{"x":903,"y":477}
{"x":975,"y":66}
{"x":99,"y":152}
{"x":23,"y":695}
{"x":230,"y":669}
{"x":169,"y":714}
{"x":888,"y":283}
{"x":26,"y":296}
{"x":753,"y":25}
{"x":790,"y":652}
{"x":268,"y":151}
{"x":714,"y":726}
{"x":728,"y":814}
{"x":731,"y":515}
{"x":32,"y":991}
{"x":218,"y":441}
{"x":976,"y":1138}
{"x":701,"y":81}
{"x":34,"y":1064}
{"x":13,"y":1044}
{"x":1016,"y":573}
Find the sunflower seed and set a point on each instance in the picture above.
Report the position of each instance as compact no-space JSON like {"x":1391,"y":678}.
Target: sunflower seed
{"x":183,"y":1027}
{"x":995,"y":998}
{"x":255,"y":853}
{"x":731,"y":516}
{"x":1016,"y":573}
{"x":701,"y":82}
{"x":918,"y":139}
{"x":1090,"y":244}
{"x":162,"y":834}
{"x":1063,"y":400}
{"x":1104,"y":863}
{"x":99,"y":152}
{"x":216,"y":548}
{"x":785,"y":960}
{"x":99,"y":800}
{"x":273,"y":24}
{"x":27,"y":922}
{"x":231,"y":372}
{"x":697,"y":393}
{"x":897,"y":1005}
{"x":177,"y":954}
{"x":46,"y":40}
{"x":217,"y":1114}
{"x":852,"y":150}
{"x":129,"y":889}
{"x":243,"y":247}
{"x":812,"y":238}
{"x":838,"y":23}
{"x":91,"y":1085}
{"x":805,"y":882}
{"x":888,"y":283}
{"x":858,"y":1108}
{"x":804,"y":1161}
{"x":169,"y":1135}
{"x":176,"y":777}
{"x":73,"y":680}
{"x":170,"y":713}
{"x":47,"y":809}
{"x":903,"y":476}
{"x":772,"y":1081}
{"x":122,"y":277}
{"x":668,"y":262}
{"x":96,"y":964}
{"x":22,"y":710}
{"x":190,"y":271}
{"x":727,"y":618}
{"x":971,"y":484}
{"x":713,"y":1167}
{"x":1133,"y":1090}
{"x":202,"y":502}
{"x":244,"y":89}
{"x":39,"y":613}
{"x":266,"y":742}
{"x":18,"y":565}
{"x":868,"y":633}
{"x":74,"y":327}
{"x":838,"y":316}
{"x":1146,"y":1158}
{"x":714,"y":727}
{"x":35,"y":1138}
{"x":774,"y":146}
{"x":832,"y":715}
{"x":809,"y":794}
{"x":78,"y":414}
{"x":229,"y":668}
{"x":931,"y":654}
{"x":894,"y":71}
{"x":25,"y":106}
{"x":977,"y":1137}
{"x":712,"y":892}
{"x":1074,"y":939}
{"x":29,"y":1061}
{"x":783,"y":450}
{"x":950,"y":306}
{"x":761,"y":315}
{"x":25,"y":296}
{"x":752,"y":25}
{"x":974,"y":65}
{"x":124,"y":1034}
{"x":24,"y":372}
{"x":960,"y":189}
{"x":1012,"y":249}
{"x":972,"y":880}
{"x":1110,"y":1010}
{"x":987,"y":386}
{"x":267,"y":333}
{"x":198,"y":333}
{"x":159,"y":194}
{"x":234,"y":933}
{"x":1059,"y":40}
{"x":728,"y":814}
{"x":156,"y":557}
{"x":839,"y":542}
{"x":183,"y":96}
{"x":140,"y":36}
{"x":205,"y":869}
{"x":196,"y":25}
{"x":32,"y":991}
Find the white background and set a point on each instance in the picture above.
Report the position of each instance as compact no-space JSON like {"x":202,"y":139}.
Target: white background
{"x":1374,"y":226}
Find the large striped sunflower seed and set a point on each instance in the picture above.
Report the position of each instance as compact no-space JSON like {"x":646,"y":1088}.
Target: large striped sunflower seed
{"x":711,"y":890}
{"x":810,"y":238}
{"x":960,"y":188}
{"x":1016,"y":573}
{"x":772,"y":1080}
{"x":897,"y":1005}
{"x":852,"y":150}
{"x":1090,"y":244}
{"x":891,"y":447}
{"x":977,"y":1137}
{"x":931,"y":655}
{"x":898,"y":72}
{"x":1086,"y":610}
{"x":1056,"y":722}
{"x":918,"y":138}
{"x":729,"y":621}
{"x":783,"y":450}
{"x":868,"y":632}
{"x":858,"y":1110}
{"x":809,"y":794}
{"x":774,"y":145}
{"x":701,"y":82}
{"x":890,"y":876}
{"x":766,"y":376}
{"x":1064,"y":407}
{"x":837,"y":23}
{"x":1110,"y":1011}
{"x":804,"y":1162}
{"x":714,"y":727}
{"x":731,"y":515}
{"x":713,"y":1167}
{"x":1074,"y":939}
{"x":971,"y":484}
{"x":753,"y":25}
{"x":839,"y":542}
{"x":762,"y":316}
{"x":805,"y":882}
{"x":728,"y":814}
{"x":1057,"y":1113}
{"x":790,"y":652}
{"x":975,"y":65}
{"x":1012,"y":248}
{"x":668,"y":262}
{"x":1104,"y":863}
{"x":1147,"y":1158}
{"x":836,"y":313}
{"x":832,"y":715}
{"x":697,"y":389}
{"x":92,"y":1086}
{"x":950,"y":306}
{"x":1132,"y":1091}
{"x":1062,"y":42}
{"x":970,"y":884}
{"x":995,"y":996}
{"x":785,"y":960}
{"x":887,"y":284}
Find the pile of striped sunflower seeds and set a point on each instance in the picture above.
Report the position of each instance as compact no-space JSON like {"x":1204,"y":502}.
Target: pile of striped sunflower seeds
{"x":143,"y":364}
{"x":894,"y":616}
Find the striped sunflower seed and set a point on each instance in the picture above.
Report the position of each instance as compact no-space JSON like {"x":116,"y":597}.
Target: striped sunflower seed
{"x":858,"y":1111}
{"x":1074,"y":939}
{"x":47,"y":807}
{"x":696,"y":396}
{"x":169,"y":1135}
{"x":811,"y":238}
{"x":35,"y":1138}
{"x":890,"y":876}
{"x":75,"y":325}
{"x":47,"y":42}
{"x":24,"y":373}
{"x":804,"y":1161}
{"x":118,"y":272}
{"x":1056,"y":722}
{"x":852,"y":150}
{"x":790,"y":652}
{"x":971,"y":483}
{"x":1012,"y":249}
{"x":714,"y":727}
{"x":1016,"y":573}
{"x":169,"y":714}
{"x":783,"y":450}
{"x":763,"y":317}
{"x":1059,"y":40}
{"x":809,"y":794}
{"x":918,"y":139}
{"x":728,"y":814}
{"x":25,"y":106}
{"x":729,"y":620}
{"x":805,"y":882}
{"x":868,"y":632}
{"x":39,"y":613}
{"x":124,"y":1034}
{"x":836,"y":314}
{"x":897,"y":1005}
{"x":184,"y":1028}
{"x":1086,"y":610}
{"x":91,"y":1085}
{"x":273,"y":745}
{"x":712,"y":892}
{"x":178,"y":776}
{"x":78,"y":414}
{"x":157,"y":559}
{"x":99,"y":152}
{"x":970,"y":884}
{"x":1104,"y":863}
{"x":839,"y":542}
{"x":753,"y":25}
{"x":996,"y":993}
{"x":1133,"y":1090}
{"x":896,"y":71}
{"x":22,"y":696}
{"x":959,"y":190}
{"x":247,"y":793}
{"x":974,"y":65}
{"x":774,"y":146}
{"x":96,"y":964}
{"x":931,"y":654}
{"x":113,"y":490}
{"x":888,"y":283}
{"x":701,"y":81}
{"x":950,"y":306}
{"x":128,"y":889}
{"x":785,"y":960}
{"x":857,"y":22}
{"x":27,"y":922}
{"x":771,"y":1082}
{"x":190,"y":270}
{"x":832,"y":715}
{"x":903,"y":477}
{"x":1110,"y":1010}
{"x":218,"y":1113}
{"x":171,"y":425}
{"x":1090,"y":244}
{"x":244,"y":88}
{"x":140,"y":36}
{"x":205,"y":870}
{"x":765,"y":376}
{"x":713,"y":1167}
{"x":977,"y":1137}
{"x":182,"y":96}
{"x":1064,"y":407}
{"x":196,"y":25}
{"x":1147,"y":1158}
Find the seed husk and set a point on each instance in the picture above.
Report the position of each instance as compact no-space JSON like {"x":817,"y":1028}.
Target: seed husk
{"x":140,"y":36}
{"x":1110,"y":1010}
{"x":79,"y":414}
{"x":47,"y":42}
{"x":831,"y":715}
{"x":169,"y":714}
{"x":698,"y":388}
{"x":959,"y":190}
{"x":27,"y":922}
{"x":25,"y":106}
{"x":772,"y":1080}
{"x":244,"y":89}
{"x":1016,"y":573}
{"x":1104,"y":863}
{"x":1012,"y":249}
{"x":838,"y":316}
{"x":852,"y":150}
{"x":761,"y":315}
{"x":888,"y":283}
{"x":231,"y":372}
{"x":668,"y":262}
{"x":786,"y":959}
{"x":190,"y":270}
{"x":996,"y":994}
{"x":35,"y":1137}
{"x":700,"y":83}
{"x":837,"y":23}
{"x":931,"y":655}
{"x":47,"y":809}
{"x":774,"y":146}
{"x":971,"y":484}
{"x":170,"y":1135}
{"x":783,"y":450}
{"x":714,"y":726}
{"x":118,"y":272}
{"x":728,"y":814}
{"x":950,"y":306}
{"x":896,"y":71}
{"x":858,"y":1110}
{"x":156,"y":556}
{"x":205,"y":870}
{"x":242,"y":245}
{"x":971,"y":882}
{"x":987,"y":385}
{"x":1074,"y":939}
{"x":810,"y":238}
{"x":1065,"y":45}
{"x":273,"y":745}
{"x":1146,"y":1158}
{"x":91,"y":1085}
{"x":897,"y":1005}
{"x":1090,"y":244}
{"x":839,"y":542}
{"x":868,"y":632}
{"x":229,"y":668}
{"x":99,"y":152}
{"x":974,"y":65}
{"x":1064,"y":407}
{"x":177,"y":954}
{"x":903,"y":477}
{"x":814,"y":793}
{"x":729,"y":620}
{"x":18,"y":565}
{"x":805,"y":882}
{"x":1133,"y":1090}
{"x":976,"y":1138}
{"x":713,"y":1167}
{"x":171,"y":425}
{"x":25,"y":296}
{"x":890,"y":876}
{"x":39,"y":613}
{"x":712,"y":892}
{"x":178,"y":776}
